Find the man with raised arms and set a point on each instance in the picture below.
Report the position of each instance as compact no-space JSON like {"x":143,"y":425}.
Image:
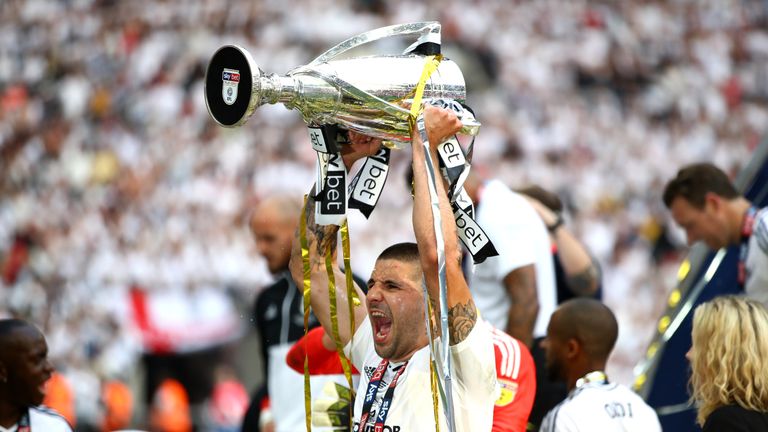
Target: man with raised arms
{"x":390,"y":341}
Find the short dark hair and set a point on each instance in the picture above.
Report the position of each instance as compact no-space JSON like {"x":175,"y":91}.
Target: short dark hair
{"x":8,"y":332}
{"x":9,"y":325}
{"x":693,"y":182}
{"x":549,"y":199}
{"x":407,"y":251}
{"x":590,"y":322}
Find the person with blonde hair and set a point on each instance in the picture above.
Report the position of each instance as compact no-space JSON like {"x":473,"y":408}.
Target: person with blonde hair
{"x":729,"y":379}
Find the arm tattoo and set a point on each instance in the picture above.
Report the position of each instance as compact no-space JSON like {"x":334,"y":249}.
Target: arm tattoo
{"x":583,"y":283}
{"x":461,"y":321}
{"x":319,"y":237}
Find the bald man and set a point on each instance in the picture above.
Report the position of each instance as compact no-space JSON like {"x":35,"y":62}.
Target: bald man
{"x":580,"y":337}
{"x":278,"y":311}
{"x":277,"y":314}
{"x":272,"y":224}
{"x":24,"y":369}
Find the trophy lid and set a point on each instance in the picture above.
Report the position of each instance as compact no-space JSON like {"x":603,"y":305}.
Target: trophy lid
{"x":232,"y":83}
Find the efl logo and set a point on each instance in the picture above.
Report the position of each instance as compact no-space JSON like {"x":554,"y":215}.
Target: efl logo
{"x":230,"y":78}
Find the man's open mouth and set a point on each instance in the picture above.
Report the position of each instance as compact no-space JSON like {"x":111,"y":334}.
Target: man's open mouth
{"x":382,"y":326}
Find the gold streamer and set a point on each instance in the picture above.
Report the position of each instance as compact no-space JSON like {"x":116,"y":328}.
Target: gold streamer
{"x":433,"y":379}
{"x":335,"y":315}
{"x":307,"y":307}
{"x":433,"y":384}
{"x":352,"y":301}
{"x":431,"y":64}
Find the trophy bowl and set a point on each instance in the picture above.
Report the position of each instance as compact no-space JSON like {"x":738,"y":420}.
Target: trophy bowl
{"x":364,"y":94}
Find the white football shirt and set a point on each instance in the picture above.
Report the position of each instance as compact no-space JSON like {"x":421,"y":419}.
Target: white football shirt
{"x":604,"y":407}
{"x":474,"y":387}
{"x":43,"y":419}
{"x":520,"y":237}
{"x":756,"y":263}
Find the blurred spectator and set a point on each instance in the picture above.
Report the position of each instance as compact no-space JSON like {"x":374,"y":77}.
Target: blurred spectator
{"x":515,"y":291}
{"x":708,"y":207}
{"x":24,"y":370}
{"x":580,"y":337}
{"x":279,"y":316}
{"x":185,"y":334}
{"x":170,"y":408}
{"x":729,"y":370}
{"x":577,"y":273}
{"x":228,"y":402}
{"x":118,"y":406}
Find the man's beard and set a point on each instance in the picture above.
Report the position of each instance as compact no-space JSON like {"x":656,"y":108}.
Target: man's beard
{"x":554,"y":371}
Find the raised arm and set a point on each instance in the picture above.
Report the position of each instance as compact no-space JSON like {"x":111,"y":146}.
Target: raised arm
{"x":581,"y":269}
{"x":462,"y":314}
{"x":319,"y":239}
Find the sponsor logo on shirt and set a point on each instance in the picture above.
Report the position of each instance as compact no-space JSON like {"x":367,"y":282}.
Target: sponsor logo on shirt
{"x":370,"y":428}
{"x":369,"y":370}
{"x":508,"y":392}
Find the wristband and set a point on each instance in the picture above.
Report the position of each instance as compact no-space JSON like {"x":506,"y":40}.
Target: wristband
{"x":557,"y":224}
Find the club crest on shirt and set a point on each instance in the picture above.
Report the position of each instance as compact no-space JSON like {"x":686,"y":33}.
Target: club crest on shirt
{"x":508,"y":392}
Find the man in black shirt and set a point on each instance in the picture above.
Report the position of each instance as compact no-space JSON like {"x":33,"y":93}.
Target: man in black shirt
{"x":278,"y":313}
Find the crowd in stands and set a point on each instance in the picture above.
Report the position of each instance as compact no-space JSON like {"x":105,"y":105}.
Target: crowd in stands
{"x":120,"y":198}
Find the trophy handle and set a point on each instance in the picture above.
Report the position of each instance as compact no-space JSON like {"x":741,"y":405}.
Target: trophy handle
{"x":428,"y":29}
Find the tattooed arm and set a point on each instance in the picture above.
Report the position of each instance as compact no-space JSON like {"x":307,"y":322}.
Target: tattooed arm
{"x":582,"y":271}
{"x":319,"y":239}
{"x":462,"y":313}
{"x":322,"y":238}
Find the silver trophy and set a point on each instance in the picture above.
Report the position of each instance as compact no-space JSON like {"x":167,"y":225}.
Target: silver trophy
{"x":369,"y":95}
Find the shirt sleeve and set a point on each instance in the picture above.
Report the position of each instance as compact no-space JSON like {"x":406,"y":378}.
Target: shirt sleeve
{"x":756,"y":285}
{"x":558,"y":420}
{"x":516,"y":374}
{"x":510,"y":225}
{"x":760,"y":231}
{"x":475,"y":366}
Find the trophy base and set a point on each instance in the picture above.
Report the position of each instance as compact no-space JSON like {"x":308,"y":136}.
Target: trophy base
{"x":230,"y":94}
